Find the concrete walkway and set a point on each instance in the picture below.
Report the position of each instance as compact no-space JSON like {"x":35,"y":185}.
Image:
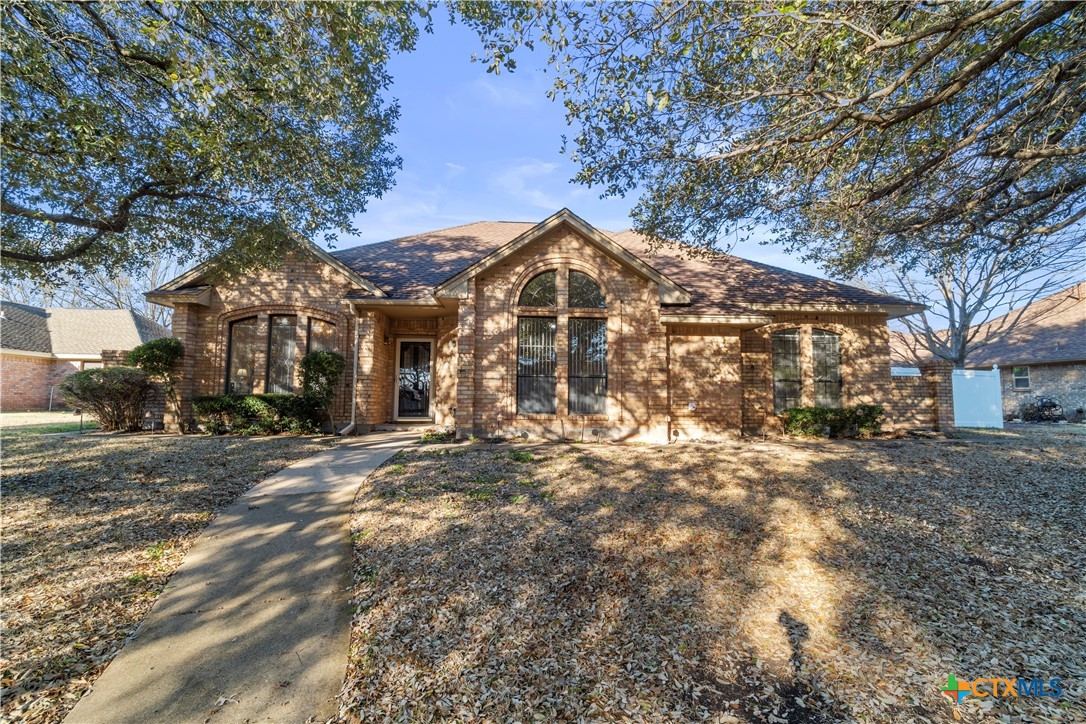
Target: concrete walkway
{"x":255,"y":624}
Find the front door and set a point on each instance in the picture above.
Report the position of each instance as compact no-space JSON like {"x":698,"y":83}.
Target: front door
{"x":413,"y":395}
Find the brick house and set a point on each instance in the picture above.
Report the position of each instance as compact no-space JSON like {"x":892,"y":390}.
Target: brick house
{"x":39,"y":347}
{"x":1044,"y":354}
{"x":554,"y":328}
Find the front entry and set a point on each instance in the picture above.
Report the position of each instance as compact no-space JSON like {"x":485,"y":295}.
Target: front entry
{"x":413,"y":393}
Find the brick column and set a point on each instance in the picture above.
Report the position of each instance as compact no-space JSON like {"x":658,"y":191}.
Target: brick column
{"x":937,"y":374}
{"x":465,"y":364}
{"x":183,"y":327}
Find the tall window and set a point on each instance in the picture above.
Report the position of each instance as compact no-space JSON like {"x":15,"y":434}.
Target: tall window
{"x":242,"y":347}
{"x":787,"y":375}
{"x":826,"y":347}
{"x":321,"y":335}
{"x":281,"y":355}
{"x":584,"y":292}
{"x":541,"y":291}
{"x":537,"y":363}
{"x":587,"y":365}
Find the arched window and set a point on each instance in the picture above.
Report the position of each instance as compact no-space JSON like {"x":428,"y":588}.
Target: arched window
{"x":584,"y":292}
{"x":541,"y":291}
{"x":826,"y":347}
{"x":787,"y":374}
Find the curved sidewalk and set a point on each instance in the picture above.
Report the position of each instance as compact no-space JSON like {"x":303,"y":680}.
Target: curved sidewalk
{"x":255,"y":624}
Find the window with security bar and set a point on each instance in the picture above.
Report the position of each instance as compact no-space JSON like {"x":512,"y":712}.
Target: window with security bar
{"x":787,"y":374}
{"x":537,"y":364}
{"x":587,"y":366}
{"x":826,"y":347}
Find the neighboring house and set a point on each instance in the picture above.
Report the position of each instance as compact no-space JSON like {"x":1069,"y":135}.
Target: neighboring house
{"x":40,"y":347}
{"x":553,"y":328}
{"x":1044,"y":354}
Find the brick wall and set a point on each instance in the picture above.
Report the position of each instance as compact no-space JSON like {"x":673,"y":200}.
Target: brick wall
{"x":636,"y":345}
{"x":865,"y":363}
{"x":303,"y":286}
{"x":1063,"y":382}
{"x":706,"y":384}
{"x":685,"y":381}
{"x":25,"y":382}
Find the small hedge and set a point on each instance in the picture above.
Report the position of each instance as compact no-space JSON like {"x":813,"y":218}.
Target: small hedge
{"x":116,"y":396}
{"x":857,"y":421}
{"x":257,"y":414}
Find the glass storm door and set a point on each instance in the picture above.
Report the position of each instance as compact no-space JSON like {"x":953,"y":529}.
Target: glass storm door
{"x":414,"y":392}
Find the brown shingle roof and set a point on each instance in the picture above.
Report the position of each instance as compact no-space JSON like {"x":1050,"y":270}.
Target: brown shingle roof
{"x":411,"y":266}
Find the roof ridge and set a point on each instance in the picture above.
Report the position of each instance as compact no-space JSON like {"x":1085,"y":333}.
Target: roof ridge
{"x":428,"y":233}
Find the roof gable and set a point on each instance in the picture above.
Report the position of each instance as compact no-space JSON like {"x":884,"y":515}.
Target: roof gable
{"x":199,"y":274}
{"x":670,"y":291}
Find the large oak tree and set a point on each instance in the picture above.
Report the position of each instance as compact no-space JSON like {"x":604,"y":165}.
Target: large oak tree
{"x":852,"y":129}
{"x":136,"y":129}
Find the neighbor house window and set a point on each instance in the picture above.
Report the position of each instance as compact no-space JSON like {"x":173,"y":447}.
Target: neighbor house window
{"x":541,"y":291}
{"x":320,"y":335}
{"x":537,"y":364}
{"x":242,"y":347}
{"x":1021,"y":377}
{"x":787,"y":375}
{"x":584,"y":292}
{"x":826,"y":347}
{"x":587,"y":366}
{"x":281,"y":355}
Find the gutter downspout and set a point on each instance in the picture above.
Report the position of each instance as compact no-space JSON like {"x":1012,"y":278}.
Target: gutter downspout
{"x":354,"y":376}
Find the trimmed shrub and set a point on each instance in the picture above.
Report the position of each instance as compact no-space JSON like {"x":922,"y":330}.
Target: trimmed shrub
{"x":257,"y":414}
{"x":115,"y":396}
{"x":158,"y":358}
{"x":856,"y":421}
{"x":321,"y":371}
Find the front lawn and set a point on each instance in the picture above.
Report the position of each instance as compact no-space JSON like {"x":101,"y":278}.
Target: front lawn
{"x":92,"y":528}
{"x":756,"y":581}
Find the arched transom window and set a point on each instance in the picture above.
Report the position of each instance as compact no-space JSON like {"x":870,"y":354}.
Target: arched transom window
{"x":540,"y":291}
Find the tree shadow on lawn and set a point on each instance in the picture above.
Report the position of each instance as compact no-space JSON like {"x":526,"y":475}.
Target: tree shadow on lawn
{"x":697,"y":581}
{"x":92,"y":530}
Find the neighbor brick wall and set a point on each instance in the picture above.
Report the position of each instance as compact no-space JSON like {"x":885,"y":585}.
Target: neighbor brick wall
{"x":1064,"y":382}
{"x":25,"y":382}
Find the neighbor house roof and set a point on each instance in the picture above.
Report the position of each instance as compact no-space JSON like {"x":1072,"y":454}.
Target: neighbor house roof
{"x":411,"y":267}
{"x":74,"y":332}
{"x":1052,"y":329}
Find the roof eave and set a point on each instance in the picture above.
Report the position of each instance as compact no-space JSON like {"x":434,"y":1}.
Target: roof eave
{"x":892,"y":311}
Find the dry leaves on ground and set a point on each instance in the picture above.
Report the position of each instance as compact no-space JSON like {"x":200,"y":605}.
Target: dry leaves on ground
{"x":764,"y":582}
{"x":93,"y":526}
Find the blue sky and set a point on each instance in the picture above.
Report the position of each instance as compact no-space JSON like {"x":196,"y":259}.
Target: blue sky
{"x":476,"y":146}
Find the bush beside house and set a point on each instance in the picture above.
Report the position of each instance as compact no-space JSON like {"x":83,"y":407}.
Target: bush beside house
{"x":856,"y":421}
{"x":116,"y":396}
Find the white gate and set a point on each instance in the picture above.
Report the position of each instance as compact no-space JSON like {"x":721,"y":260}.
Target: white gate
{"x":978,"y":398}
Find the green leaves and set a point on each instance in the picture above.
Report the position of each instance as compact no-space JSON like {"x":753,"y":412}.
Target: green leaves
{"x":852,"y":130}
{"x":239,"y":114}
